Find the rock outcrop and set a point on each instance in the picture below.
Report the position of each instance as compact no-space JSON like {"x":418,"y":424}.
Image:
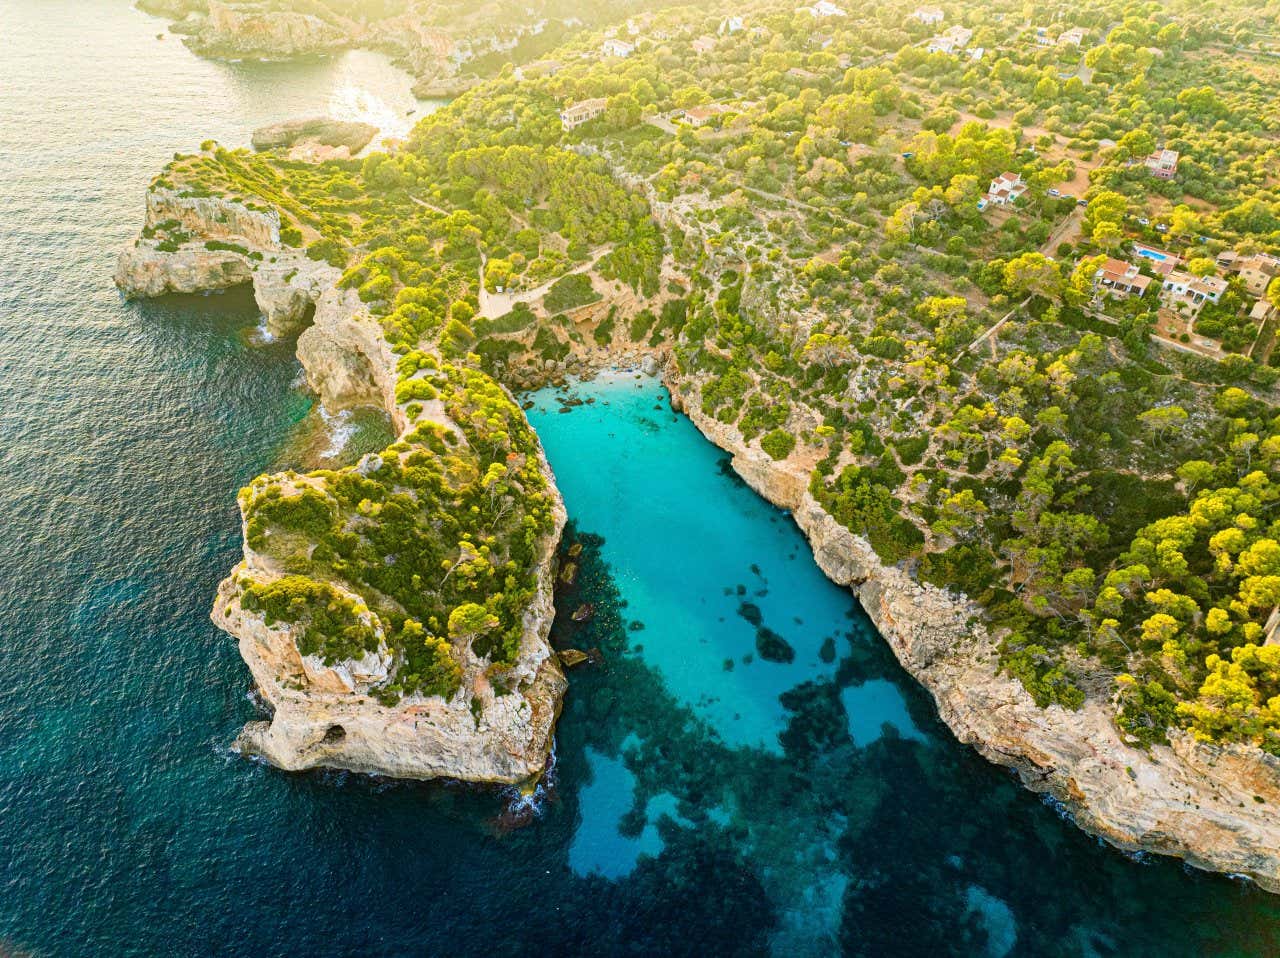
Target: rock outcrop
{"x":346,"y":356}
{"x":286,"y":284}
{"x":143,"y":270}
{"x":330,"y":716}
{"x":315,"y":132}
{"x":1213,"y":806}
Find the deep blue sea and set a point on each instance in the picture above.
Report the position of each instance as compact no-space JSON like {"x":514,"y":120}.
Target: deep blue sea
{"x":748,"y":771}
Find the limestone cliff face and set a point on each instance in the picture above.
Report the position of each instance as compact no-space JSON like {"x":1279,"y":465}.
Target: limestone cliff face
{"x":286,"y":284}
{"x":212,"y":217}
{"x":1213,"y":806}
{"x":346,"y":356}
{"x":259,"y":31}
{"x":143,"y":270}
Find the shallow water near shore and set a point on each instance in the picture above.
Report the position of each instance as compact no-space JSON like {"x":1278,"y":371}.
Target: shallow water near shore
{"x":810,"y":806}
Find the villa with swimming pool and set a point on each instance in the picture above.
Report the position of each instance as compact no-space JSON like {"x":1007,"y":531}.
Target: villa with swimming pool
{"x":1161,"y":261}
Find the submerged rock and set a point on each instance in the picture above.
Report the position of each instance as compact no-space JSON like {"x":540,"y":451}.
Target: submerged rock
{"x":571,"y":657}
{"x":584,"y":613}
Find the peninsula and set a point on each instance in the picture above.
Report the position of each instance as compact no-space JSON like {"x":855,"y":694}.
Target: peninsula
{"x":980,"y":303}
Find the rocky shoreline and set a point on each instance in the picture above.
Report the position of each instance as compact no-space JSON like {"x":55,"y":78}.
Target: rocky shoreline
{"x":1209,"y":805}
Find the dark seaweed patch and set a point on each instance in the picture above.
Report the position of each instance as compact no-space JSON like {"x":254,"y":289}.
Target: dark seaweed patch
{"x":772,"y":647}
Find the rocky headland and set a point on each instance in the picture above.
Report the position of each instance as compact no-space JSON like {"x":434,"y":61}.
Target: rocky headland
{"x":329,"y":715}
{"x":433,"y":48}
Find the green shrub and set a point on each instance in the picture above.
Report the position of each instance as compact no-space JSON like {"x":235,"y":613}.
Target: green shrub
{"x":778,"y":444}
{"x":217,"y":245}
{"x":570,"y":292}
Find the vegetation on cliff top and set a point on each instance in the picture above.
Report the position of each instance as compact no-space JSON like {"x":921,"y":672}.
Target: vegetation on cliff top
{"x":819,"y":248}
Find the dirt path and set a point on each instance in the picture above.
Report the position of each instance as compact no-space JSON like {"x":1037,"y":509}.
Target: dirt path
{"x":493,"y":305}
{"x":1068,"y":231}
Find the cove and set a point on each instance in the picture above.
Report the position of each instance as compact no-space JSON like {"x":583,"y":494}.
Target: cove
{"x":715,"y":578}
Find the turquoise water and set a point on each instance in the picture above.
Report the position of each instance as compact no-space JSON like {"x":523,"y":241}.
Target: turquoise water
{"x":813,"y":806}
{"x":709,"y":580}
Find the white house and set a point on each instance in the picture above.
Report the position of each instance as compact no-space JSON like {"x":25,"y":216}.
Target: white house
{"x":1073,"y":37}
{"x":700,"y":116}
{"x":1163,"y":163}
{"x":1120,"y":280}
{"x":928,"y":15}
{"x":1005,"y":189}
{"x":538,"y":68}
{"x":951,"y":40}
{"x":1190,"y":293}
{"x":824,"y":8}
{"x":1256,"y":271}
{"x":730,"y":25}
{"x":613,"y":47}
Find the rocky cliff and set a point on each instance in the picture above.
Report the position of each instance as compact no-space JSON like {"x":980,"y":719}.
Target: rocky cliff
{"x":330,"y":715}
{"x":1213,"y":806}
{"x":258,"y":31}
{"x":286,"y":284}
